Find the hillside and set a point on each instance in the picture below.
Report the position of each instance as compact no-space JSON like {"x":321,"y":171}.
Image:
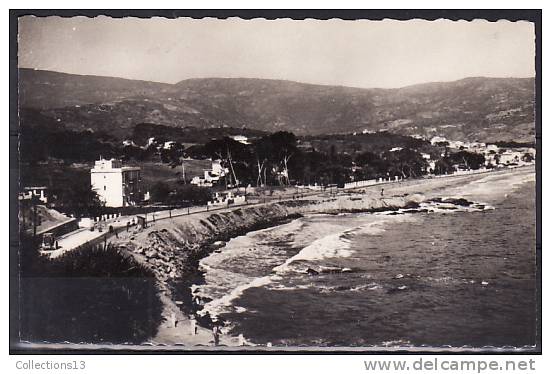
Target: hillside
{"x":472,"y":108}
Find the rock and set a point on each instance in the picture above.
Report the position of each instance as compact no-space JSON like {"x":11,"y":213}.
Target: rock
{"x":311,"y":271}
{"x":460,"y":201}
{"x":411,"y":205}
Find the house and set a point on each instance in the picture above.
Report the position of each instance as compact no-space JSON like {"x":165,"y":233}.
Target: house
{"x":151,"y":141}
{"x":116,"y":185}
{"x":212,"y":176}
{"x":457,"y":144}
{"x":169,"y":145}
{"x":477,"y":147}
{"x":241,"y":139}
{"x":438,"y":139}
{"x":40,"y":192}
{"x":510,"y":157}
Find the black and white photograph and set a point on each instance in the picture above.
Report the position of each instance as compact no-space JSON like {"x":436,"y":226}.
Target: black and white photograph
{"x":240,"y":184}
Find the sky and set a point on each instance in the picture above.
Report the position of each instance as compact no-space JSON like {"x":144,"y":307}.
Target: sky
{"x":385,"y":54}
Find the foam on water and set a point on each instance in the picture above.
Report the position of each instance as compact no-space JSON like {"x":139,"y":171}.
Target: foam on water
{"x":220,"y":305}
{"x":273,"y":258}
{"x":229,"y":273}
{"x":495,"y":184}
{"x":334,"y":245}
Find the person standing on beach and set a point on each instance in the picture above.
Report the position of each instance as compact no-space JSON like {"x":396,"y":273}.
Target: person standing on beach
{"x":193,"y":326}
{"x":382,"y":192}
{"x":216,"y":335}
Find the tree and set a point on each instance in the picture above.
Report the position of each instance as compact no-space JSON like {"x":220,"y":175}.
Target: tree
{"x":366,"y":158}
{"x":406,"y":162}
{"x":469,"y":160}
{"x":189,"y":193}
{"x":527,"y":157}
{"x":77,"y":199}
{"x":159,"y":192}
{"x":442,"y":166}
{"x":231,"y":153}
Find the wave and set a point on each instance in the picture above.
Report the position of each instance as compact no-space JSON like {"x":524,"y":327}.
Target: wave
{"x":495,"y":185}
{"x":334,"y":245}
{"x":220,"y":305}
{"x":253,"y":260}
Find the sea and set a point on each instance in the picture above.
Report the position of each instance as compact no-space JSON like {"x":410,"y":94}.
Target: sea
{"x":447,"y":274}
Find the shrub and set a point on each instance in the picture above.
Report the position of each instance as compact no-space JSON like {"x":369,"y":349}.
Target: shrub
{"x":91,"y":295}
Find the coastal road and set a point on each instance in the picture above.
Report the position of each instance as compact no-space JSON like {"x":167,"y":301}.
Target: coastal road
{"x":78,"y":238}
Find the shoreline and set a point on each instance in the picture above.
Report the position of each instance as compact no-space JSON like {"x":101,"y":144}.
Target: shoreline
{"x":173,"y":249}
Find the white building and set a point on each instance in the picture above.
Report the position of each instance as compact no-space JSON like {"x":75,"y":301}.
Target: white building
{"x":438,"y":139}
{"x":457,"y":144}
{"x":211,"y":176}
{"x":241,"y":139}
{"x":40,"y":192}
{"x":510,"y":157}
{"x":116,"y":185}
{"x":150,"y":142}
{"x":169,"y":145}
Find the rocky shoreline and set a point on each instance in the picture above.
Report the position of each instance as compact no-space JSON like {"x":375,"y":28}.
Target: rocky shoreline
{"x":173,"y":248}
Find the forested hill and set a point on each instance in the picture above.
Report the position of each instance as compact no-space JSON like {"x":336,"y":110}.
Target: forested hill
{"x":469,"y":109}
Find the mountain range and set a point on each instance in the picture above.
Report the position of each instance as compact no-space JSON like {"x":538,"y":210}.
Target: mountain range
{"x":475,"y":109}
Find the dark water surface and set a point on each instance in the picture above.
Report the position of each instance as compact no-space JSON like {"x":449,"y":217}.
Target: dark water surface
{"x":458,"y":277}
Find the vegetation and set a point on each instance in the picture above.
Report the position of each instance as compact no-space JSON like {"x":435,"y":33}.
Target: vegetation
{"x":162,"y":192}
{"x":277,"y":159}
{"x":280,"y":159}
{"x":93,"y":294}
{"x":77,"y":199}
{"x":513,"y":144}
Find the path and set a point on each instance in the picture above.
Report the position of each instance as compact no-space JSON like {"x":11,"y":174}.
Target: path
{"x":78,"y":238}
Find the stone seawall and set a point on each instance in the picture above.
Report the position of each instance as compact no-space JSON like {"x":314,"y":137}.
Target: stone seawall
{"x":172,"y":248}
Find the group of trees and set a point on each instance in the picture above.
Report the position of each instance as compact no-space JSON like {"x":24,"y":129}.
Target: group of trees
{"x":463,"y":159}
{"x":163,"y":193}
{"x":77,"y":199}
{"x":276,"y":159}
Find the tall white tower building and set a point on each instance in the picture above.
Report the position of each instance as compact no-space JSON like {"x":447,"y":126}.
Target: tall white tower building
{"x":116,"y":185}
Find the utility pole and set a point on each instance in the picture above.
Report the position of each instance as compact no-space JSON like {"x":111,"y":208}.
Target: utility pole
{"x":35,"y":218}
{"x":184,"y":171}
{"x":231,"y":167}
